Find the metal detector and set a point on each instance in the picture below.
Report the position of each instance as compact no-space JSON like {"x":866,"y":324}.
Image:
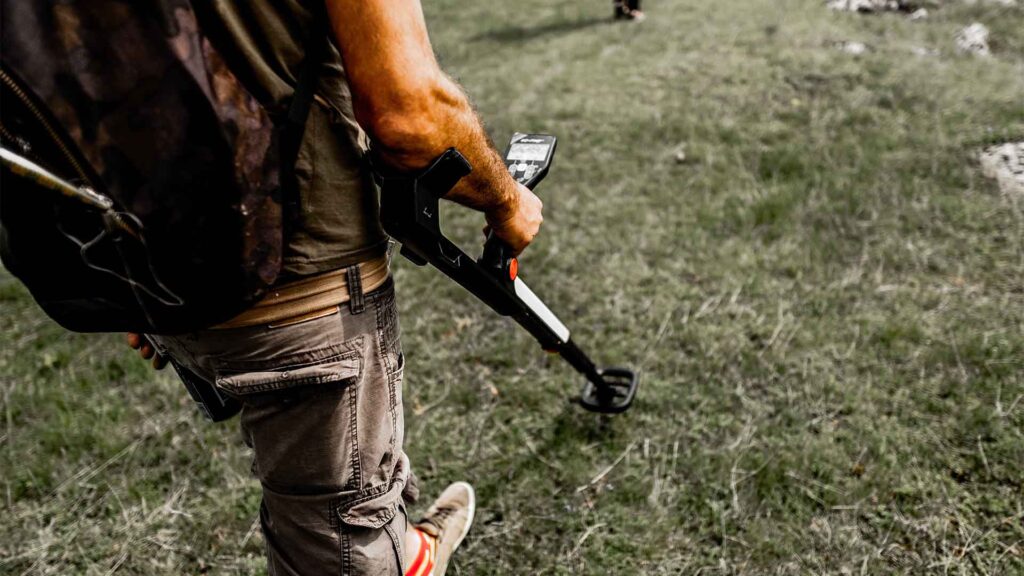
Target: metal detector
{"x":409,"y":213}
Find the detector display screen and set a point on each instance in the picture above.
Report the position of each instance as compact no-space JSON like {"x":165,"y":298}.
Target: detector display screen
{"x":528,"y":152}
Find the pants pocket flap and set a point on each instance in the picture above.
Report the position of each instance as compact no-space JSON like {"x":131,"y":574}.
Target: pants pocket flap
{"x":371,"y":508}
{"x":337,"y":368}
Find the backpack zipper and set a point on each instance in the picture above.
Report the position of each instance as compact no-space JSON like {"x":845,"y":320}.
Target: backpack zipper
{"x":11,"y":138}
{"x":45,"y":123}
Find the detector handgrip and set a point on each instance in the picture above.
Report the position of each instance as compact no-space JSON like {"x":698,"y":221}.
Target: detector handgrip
{"x":497,"y":258}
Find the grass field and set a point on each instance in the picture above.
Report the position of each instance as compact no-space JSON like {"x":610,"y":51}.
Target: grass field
{"x":825,"y":297}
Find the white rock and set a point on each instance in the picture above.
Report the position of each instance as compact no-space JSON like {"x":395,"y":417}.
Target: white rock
{"x":998,"y":2}
{"x":912,"y":7}
{"x":1005,"y":164}
{"x":680,"y":154}
{"x":863,"y":5}
{"x":973,"y":40}
{"x":851,"y":47}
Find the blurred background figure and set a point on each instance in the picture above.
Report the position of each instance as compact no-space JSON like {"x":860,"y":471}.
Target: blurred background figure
{"x":627,"y":10}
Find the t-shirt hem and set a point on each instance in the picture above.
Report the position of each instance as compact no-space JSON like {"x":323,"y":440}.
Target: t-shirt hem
{"x":292,"y":270}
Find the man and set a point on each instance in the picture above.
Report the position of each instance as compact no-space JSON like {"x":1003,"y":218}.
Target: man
{"x":318,"y":364}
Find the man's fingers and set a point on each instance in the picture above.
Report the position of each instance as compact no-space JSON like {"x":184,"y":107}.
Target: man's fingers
{"x":520,"y":229}
{"x":146,"y":350}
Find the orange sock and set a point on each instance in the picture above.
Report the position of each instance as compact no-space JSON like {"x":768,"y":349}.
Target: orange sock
{"x":423,"y":559}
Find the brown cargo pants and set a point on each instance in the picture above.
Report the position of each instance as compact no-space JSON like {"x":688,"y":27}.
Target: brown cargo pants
{"x":322,"y":411}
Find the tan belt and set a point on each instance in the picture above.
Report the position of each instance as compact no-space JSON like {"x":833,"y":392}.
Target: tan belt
{"x":309,"y":298}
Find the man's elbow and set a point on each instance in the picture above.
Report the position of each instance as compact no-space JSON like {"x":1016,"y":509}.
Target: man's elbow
{"x":410,"y":131}
{"x":405,"y":140}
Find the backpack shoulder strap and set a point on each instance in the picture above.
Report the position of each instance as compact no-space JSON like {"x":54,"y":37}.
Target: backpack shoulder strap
{"x":294,"y":128}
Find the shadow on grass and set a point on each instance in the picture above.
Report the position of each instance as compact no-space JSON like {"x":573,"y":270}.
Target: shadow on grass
{"x":520,"y":33}
{"x":574,"y":424}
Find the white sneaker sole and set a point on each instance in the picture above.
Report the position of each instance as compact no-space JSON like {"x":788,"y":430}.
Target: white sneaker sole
{"x":470,"y":517}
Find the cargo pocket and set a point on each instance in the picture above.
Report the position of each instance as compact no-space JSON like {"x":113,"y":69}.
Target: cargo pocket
{"x":334,"y":364}
{"x":372,"y":527}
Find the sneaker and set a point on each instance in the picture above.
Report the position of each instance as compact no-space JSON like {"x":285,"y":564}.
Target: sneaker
{"x":448,"y":521}
{"x":631,"y":15}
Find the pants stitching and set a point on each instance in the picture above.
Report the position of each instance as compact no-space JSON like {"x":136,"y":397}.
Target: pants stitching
{"x":361,"y":496}
{"x":346,"y":553}
{"x":395,"y":546}
{"x":356,"y":481}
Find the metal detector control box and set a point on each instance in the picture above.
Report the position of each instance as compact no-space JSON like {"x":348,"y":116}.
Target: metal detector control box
{"x":409,"y":213}
{"x":528,"y":157}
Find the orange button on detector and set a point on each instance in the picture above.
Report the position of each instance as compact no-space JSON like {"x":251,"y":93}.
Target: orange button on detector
{"x":513,"y":269}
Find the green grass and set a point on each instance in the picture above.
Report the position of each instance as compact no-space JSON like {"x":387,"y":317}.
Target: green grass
{"x":826,"y":300}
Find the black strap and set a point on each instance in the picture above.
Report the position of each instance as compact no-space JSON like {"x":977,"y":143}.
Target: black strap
{"x":294,"y":127}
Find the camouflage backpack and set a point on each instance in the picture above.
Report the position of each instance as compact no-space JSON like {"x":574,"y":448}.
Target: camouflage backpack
{"x":188,"y":181}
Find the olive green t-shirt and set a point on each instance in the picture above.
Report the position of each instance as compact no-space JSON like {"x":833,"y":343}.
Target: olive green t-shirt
{"x":263,"y":41}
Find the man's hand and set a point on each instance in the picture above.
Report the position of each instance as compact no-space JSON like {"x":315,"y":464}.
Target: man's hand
{"x":146,"y":350}
{"x":519,"y":222}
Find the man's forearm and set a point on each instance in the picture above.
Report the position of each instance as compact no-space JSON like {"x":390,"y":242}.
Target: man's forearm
{"x":412,"y":111}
